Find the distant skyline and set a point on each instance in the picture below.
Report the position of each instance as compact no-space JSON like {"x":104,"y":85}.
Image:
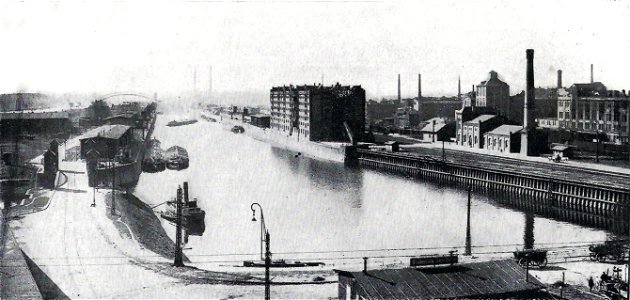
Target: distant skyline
{"x":251,"y":46}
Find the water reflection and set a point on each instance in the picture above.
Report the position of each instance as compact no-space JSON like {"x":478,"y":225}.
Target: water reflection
{"x":528,"y":236}
{"x":323,"y":175}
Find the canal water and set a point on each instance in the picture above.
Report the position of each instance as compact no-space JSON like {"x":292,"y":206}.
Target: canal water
{"x":323,"y":210}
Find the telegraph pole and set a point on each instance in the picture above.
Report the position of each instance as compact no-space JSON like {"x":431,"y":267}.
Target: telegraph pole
{"x":267,"y":266}
{"x":178,"y":231}
{"x":468,"y":250}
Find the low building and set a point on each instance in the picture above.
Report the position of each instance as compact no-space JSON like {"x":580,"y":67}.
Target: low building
{"x":561,"y":151}
{"x":475,"y":129}
{"x":504,"y":139}
{"x":107,"y":141}
{"x":262,"y":121}
{"x":493,"y":279}
{"x":438,"y":131}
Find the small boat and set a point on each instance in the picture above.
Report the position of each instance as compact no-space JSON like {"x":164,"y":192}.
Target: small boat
{"x":191,"y":213}
{"x":177,"y":158}
{"x":181,"y":122}
{"x":238,"y":129}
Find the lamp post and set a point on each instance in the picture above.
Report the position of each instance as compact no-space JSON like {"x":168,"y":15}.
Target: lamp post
{"x":263,"y":229}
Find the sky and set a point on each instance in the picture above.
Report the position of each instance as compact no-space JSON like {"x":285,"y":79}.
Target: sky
{"x":159,"y":46}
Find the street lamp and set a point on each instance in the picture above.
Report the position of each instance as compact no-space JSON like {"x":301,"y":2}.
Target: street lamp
{"x":263,"y":229}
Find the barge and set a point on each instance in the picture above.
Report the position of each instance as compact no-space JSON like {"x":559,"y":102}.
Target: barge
{"x":181,"y":122}
{"x":177,"y":158}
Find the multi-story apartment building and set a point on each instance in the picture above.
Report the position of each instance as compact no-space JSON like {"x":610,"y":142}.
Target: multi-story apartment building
{"x":592,"y":108}
{"x":318,"y":113}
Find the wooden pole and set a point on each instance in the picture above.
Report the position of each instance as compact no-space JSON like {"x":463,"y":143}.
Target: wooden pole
{"x":178,"y":230}
{"x":468,"y":250}
{"x":267,"y":266}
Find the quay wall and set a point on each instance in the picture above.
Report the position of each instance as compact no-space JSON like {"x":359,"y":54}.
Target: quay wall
{"x":589,"y":204}
{"x":335,"y":152}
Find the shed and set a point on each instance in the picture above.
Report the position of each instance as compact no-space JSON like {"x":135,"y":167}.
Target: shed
{"x":492,"y":279}
{"x":106,"y":139}
{"x":561,"y":150}
{"x":260,"y":120}
{"x":392,"y":146}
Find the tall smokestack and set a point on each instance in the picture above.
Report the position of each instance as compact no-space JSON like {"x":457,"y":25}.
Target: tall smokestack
{"x":529,"y":123}
{"x":559,"y":79}
{"x":591,"y":73}
{"x":419,"y":86}
{"x":399,"y":87}
{"x":459,"y":88}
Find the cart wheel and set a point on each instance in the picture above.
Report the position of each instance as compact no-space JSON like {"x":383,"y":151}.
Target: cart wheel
{"x":523,"y":262}
{"x":543,"y":263}
{"x":601,"y":257}
{"x":535,"y":263}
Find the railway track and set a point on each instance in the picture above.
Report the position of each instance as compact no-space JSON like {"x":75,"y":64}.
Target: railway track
{"x":552,"y":170}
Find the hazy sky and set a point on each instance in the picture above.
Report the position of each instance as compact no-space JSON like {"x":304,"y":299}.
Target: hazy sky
{"x":155,"y":46}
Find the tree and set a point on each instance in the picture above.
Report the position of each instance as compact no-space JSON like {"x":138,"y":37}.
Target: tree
{"x":99,"y":110}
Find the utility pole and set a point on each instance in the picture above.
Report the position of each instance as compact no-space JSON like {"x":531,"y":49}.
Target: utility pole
{"x":178,"y":230}
{"x":267,"y":266}
{"x":443,"y":152}
{"x":468,"y":250}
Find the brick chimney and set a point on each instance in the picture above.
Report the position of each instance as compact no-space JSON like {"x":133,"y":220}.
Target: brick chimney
{"x":529,"y":124}
{"x":419,"y":86}
{"x":591,"y":73}
{"x":559,"y":79}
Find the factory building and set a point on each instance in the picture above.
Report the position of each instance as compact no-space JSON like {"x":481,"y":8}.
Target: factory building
{"x":592,"y":108}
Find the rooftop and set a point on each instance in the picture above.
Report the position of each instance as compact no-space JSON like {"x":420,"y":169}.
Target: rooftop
{"x":433,"y":128}
{"x":459,"y":281}
{"x":481,"y":118}
{"x":107,"y":131}
{"x":506,"y":129}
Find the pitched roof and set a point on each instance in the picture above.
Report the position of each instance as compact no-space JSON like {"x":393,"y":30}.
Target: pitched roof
{"x":433,"y":128}
{"x":107,"y":131}
{"x":506,"y":129}
{"x":559,"y":147}
{"x":459,"y":281}
{"x":481,"y":118}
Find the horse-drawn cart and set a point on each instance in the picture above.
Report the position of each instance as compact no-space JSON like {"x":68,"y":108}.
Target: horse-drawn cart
{"x":531,"y":257}
{"x":608,"y":251}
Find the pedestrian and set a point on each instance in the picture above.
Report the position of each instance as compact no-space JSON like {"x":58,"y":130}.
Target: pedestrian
{"x":591,"y":283}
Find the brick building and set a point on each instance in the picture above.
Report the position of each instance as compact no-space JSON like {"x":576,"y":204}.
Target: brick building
{"x":318,"y":113}
{"x":592,"y":108}
{"x":504,"y":139}
{"x":494,"y":94}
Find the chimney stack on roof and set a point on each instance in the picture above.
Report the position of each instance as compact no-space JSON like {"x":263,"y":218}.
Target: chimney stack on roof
{"x":365,"y":264}
{"x":559,"y":79}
